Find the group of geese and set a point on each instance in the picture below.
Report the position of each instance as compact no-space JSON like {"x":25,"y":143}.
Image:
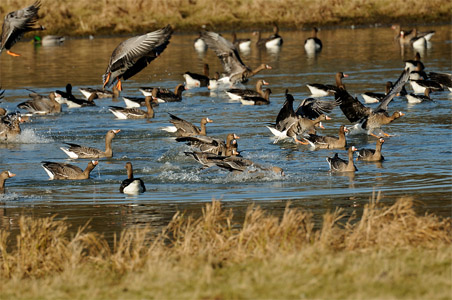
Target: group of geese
{"x":134,"y":54}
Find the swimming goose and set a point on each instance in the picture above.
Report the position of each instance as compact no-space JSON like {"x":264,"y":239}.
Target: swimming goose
{"x":413,"y":98}
{"x":416,"y":41}
{"x":272,"y":42}
{"x":370,"y":119}
{"x":235,"y":70}
{"x":185,"y":128}
{"x":257,"y":100}
{"x":77,"y":103}
{"x":16,"y":24}
{"x":67,"y":94}
{"x":240,"y":164}
{"x":371,"y":154}
{"x":445,"y":79}
{"x":132,"y":102}
{"x":199,"y":44}
{"x":427,"y":35}
{"x":67,"y":171}
{"x":164,"y":95}
{"x":41,"y":105}
{"x":419,"y":86}
{"x":242,"y":44}
{"x":133,"y":113}
{"x":101,"y":93}
{"x":208,"y":159}
{"x":415,"y":64}
{"x":313,"y":43}
{"x":328,"y":142}
{"x":238,"y":94}
{"x":210,"y":144}
{"x":371,"y":97}
{"x":322,"y":90}
{"x":134,"y":54}
{"x":3,"y":176}
{"x":337,"y":164}
{"x":76,"y":151}
{"x":197,"y":80}
{"x":131,"y":185}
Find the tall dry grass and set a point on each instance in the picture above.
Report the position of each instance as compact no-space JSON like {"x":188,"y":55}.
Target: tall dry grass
{"x":117,"y":16}
{"x":44,"y":247}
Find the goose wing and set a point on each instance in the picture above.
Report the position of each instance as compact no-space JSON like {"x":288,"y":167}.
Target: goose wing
{"x":226,"y":52}
{"x":62,"y":170}
{"x":134,"y":54}
{"x":84,"y":151}
{"x":352,"y":108}
{"x":312,"y":108}
{"x":18,"y":22}
{"x":396,"y":88}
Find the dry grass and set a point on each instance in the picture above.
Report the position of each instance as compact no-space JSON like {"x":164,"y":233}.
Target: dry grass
{"x":388,"y":252}
{"x":117,"y":16}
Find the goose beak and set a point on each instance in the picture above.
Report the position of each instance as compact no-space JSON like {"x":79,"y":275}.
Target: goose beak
{"x":117,"y":130}
{"x":209,"y":120}
{"x":321,"y":125}
{"x":95,"y":162}
{"x":345,"y":75}
{"x":11,"y":174}
{"x":327,"y":118}
{"x":264,"y":82}
{"x":236,"y":136}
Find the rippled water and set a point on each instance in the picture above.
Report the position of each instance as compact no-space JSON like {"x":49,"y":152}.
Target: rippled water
{"x":418,"y":156}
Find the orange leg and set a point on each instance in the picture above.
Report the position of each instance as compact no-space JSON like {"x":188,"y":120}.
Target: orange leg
{"x":300,"y":142}
{"x":12,"y":53}
{"x":119,"y":85}
{"x":106,"y":80}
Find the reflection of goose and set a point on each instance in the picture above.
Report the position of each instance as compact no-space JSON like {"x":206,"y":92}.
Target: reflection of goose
{"x":134,"y":54}
{"x":235,"y":70}
{"x":313,"y":43}
{"x":76,"y":151}
{"x":131,"y":185}
{"x":16,"y":24}
{"x":67,"y":171}
{"x":337,"y":164}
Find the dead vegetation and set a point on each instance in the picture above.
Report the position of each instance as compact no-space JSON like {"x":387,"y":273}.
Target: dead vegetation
{"x":118,"y":17}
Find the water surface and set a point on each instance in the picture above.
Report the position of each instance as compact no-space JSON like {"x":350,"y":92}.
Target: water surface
{"x":418,"y":156}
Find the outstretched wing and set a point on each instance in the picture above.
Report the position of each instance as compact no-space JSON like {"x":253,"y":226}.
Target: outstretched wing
{"x":18,"y":22}
{"x":225,"y":51}
{"x":312,"y":108}
{"x":396,"y":88}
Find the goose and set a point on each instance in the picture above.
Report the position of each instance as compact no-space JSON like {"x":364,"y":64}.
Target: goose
{"x":164,"y":95}
{"x":67,"y":171}
{"x":420,"y":85}
{"x":257,"y":100}
{"x":3,"y":176}
{"x":322,"y":90}
{"x":290,"y":123}
{"x":41,"y":105}
{"x":75,"y":151}
{"x":133,"y":113}
{"x":444,"y":79}
{"x":199,"y":44}
{"x":313,"y":43}
{"x":185,"y":128}
{"x":272,"y":42}
{"x":370,"y":119}
{"x":134,"y":54}
{"x":427,"y":35}
{"x":10,"y":126}
{"x":328,"y":142}
{"x":415,"y":64}
{"x":197,"y":80}
{"x":238,"y":94}
{"x":208,"y":159}
{"x":413,"y":98}
{"x":240,"y":164}
{"x":77,"y":103}
{"x":337,"y":164}
{"x":131,"y":185}
{"x":241,"y":44}
{"x":371,"y":154}
{"x":235,"y":70}
{"x":371,"y":97}
{"x":16,"y":24}
{"x":132,"y":102}
{"x":101,"y":93}
{"x":415,"y":41}
{"x":210,"y":144}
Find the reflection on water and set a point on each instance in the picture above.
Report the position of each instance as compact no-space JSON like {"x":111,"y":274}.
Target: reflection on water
{"x":417,"y":158}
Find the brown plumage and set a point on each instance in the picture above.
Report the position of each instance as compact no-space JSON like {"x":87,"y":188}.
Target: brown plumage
{"x":67,"y":171}
{"x":337,"y":164}
{"x":371,"y":154}
{"x":185,"y":128}
{"x":76,"y":151}
{"x":328,"y":142}
{"x":3,"y":176}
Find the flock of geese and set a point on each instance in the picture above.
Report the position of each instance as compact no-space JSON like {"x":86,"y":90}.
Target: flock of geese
{"x":300,"y":124}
